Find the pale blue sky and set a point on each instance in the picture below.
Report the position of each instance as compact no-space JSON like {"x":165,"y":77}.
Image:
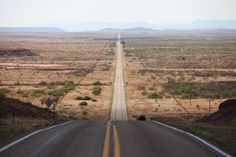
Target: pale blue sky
{"x":39,"y":12}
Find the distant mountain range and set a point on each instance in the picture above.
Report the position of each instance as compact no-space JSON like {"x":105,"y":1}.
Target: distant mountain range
{"x":116,"y":26}
{"x":96,"y":26}
{"x":137,"y":29}
{"x":31,"y":29}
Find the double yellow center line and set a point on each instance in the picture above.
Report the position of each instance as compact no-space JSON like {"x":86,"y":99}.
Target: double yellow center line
{"x":106,"y":148}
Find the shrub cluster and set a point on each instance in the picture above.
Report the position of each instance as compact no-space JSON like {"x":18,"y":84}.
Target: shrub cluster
{"x":96,"y":90}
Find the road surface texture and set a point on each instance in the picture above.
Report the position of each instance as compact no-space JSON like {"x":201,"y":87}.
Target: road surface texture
{"x":76,"y":139}
{"x":119,"y":111}
{"x":148,"y":139}
{"x":115,"y":138}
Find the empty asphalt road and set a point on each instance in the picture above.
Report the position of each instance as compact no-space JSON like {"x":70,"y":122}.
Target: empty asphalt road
{"x":119,"y":111}
{"x":119,"y":138}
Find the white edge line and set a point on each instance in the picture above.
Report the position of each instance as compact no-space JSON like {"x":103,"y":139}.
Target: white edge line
{"x":27,"y":136}
{"x":196,"y":138}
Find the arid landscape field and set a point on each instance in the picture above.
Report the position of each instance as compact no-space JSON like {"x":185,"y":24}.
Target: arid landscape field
{"x":185,"y":73}
{"x":62,"y":68}
{"x":177,"y":77}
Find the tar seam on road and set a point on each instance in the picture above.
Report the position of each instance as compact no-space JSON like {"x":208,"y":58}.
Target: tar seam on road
{"x":106,"y":147}
{"x":196,"y":138}
{"x":27,"y":136}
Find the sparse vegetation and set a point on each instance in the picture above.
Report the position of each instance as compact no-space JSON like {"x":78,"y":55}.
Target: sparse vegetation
{"x":97,"y":90}
{"x":67,"y":87}
{"x":4,"y":91}
{"x":56,"y":93}
{"x":23,"y":92}
{"x":38,"y":92}
{"x":97,"y":83}
{"x":83,"y":98}
{"x":154,"y":96}
{"x":202,"y":90}
{"x":35,"y":92}
{"x":83,"y":103}
{"x":87,"y":98}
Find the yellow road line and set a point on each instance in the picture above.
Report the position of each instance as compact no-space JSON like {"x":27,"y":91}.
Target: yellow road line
{"x":106,"y":147}
{"x":116,"y":142}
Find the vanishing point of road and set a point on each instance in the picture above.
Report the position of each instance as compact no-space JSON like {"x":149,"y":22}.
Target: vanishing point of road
{"x":115,"y":138}
{"x":119,"y":111}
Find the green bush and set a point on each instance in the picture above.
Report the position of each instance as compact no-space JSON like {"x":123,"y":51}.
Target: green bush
{"x":79,"y":98}
{"x":84,"y":103}
{"x":4,"y":90}
{"x":96,"y":90}
{"x":31,"y":92}
{"x":38,"y":92}
{"x":56,"y":93}
{"x":97,"y":83}
{"x":83,"y":98}
{"x":69,"y":86}
{"x":58,"y":83}
{"x":87,"y":98}
{"x":154,"y":96}
{"x":23,"y":92}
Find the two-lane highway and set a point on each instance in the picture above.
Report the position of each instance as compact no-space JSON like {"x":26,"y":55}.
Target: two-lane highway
{"x":119,"y":111}
{"x":112,"y":139}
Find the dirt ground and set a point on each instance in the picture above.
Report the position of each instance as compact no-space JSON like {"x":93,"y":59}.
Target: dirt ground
{"x":198,"y":58}
{"x":78,"y":58}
